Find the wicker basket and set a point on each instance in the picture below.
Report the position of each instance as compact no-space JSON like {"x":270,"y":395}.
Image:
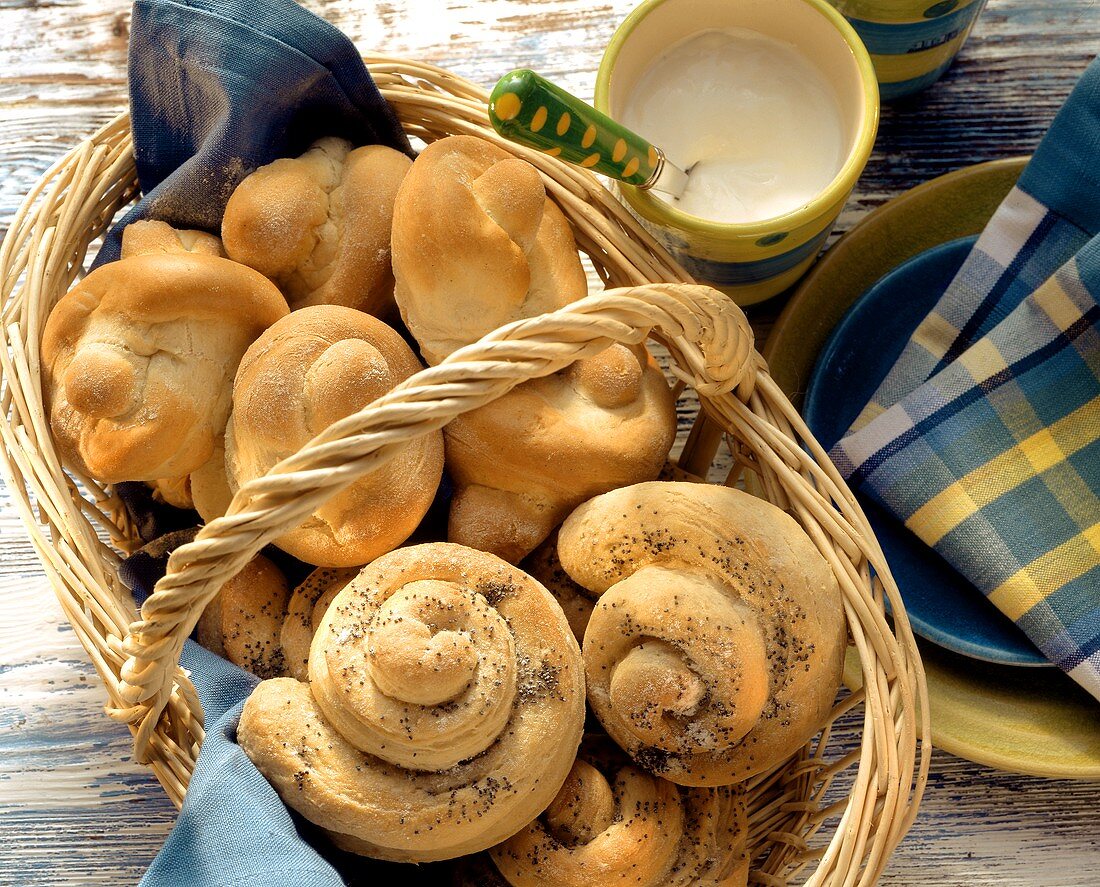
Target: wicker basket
{"x":79,"y":527}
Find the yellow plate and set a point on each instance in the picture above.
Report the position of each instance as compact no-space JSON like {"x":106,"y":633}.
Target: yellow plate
{"x":1027,"y":721}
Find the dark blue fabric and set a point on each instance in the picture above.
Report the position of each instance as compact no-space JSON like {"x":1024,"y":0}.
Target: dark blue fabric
{"x":218,"y":88}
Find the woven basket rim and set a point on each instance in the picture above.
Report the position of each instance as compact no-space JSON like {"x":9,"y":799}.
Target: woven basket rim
{"x":42,"y":255}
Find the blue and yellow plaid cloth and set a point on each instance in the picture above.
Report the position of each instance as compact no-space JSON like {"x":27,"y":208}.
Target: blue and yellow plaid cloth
{"x":1053,"y":211}
{"x":985,"y":439}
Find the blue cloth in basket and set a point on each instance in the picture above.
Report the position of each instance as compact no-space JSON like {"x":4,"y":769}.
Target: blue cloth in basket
{"x":218,"y":88}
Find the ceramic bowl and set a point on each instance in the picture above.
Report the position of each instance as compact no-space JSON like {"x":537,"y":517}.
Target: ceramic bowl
{"x":753,"y":261}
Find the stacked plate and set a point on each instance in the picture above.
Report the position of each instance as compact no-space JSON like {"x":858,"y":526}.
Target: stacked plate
{"x":994,"y":698}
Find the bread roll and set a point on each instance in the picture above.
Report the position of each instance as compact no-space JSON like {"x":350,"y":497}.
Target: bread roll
{"x":319,"y":225}
{"x":243,"y":620}
{"x":444,"y":708}
{"x":521,"y":463}
{"x":174,"y":491}
{"x":716,"y":646}
{"x":150,"y":237}
{"x":139,"y":360}
{"x":576,"y":602}
{"x":314,"y":367}
{"x":308,"y":605}
{"x":477,"y":244}
{"x":614,"y":824}
{"x":256,"y":622}
{"x":209,"y":486}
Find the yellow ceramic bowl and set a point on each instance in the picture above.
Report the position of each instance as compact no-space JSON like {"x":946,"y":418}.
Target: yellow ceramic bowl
{"x":751,"y":262}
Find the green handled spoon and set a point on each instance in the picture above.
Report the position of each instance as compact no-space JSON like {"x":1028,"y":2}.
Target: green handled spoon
{"x":530,"y":110}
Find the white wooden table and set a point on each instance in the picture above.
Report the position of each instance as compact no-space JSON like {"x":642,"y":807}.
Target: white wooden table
{"x":75,"y":808}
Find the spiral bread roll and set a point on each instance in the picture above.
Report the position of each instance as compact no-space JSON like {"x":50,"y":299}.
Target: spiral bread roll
{"x":319,"y":225}
{"x":477,"y":244}
{"x":243,"y":621}
{"x":521,"y":463}
{"x":311,"y":369}
{"x":613,"y":823}
{"x":444,"y":708}
{"x":139,"y":360}
{"x":716,"y":646}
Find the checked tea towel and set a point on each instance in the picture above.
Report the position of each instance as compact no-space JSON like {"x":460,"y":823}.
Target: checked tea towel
{"x":984,"y":439}
{"x":1053,"y":211}
{"x":995,"y":463}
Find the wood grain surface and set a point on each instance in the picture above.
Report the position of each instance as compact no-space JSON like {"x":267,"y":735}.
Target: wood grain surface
{"x":75,"y":808}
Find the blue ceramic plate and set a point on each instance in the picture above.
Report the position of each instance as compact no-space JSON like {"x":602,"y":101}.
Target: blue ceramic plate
{"x":942,"y":605}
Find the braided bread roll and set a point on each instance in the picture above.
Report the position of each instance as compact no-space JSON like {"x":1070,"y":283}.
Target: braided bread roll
{"x":311,"y":369}
{"x":319,"y":225}
{"x":716,"y":646}
{"x":444,"y":709}
{"x":477,"y":244}
{"x":613,"y":824}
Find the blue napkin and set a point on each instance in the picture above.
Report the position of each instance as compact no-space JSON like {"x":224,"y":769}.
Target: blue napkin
{"x":218,"y":88}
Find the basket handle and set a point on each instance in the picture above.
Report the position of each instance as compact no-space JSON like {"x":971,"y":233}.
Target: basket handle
{"x":707,"y":334}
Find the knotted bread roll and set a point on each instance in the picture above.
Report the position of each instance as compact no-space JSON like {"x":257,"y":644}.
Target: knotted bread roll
{"x":314,"y":367}
{"x":521,"y":463}
{"x":319,"y":225}
{"x":715,"y":649}
{"x":477,"y":244}
{"x":151,"y":237}
{"x":614,"y":824}
{"x":444,"y":708}
{"x":139,"y":361}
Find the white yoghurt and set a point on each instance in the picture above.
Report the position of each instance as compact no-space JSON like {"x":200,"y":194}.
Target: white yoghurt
{"x":753,"y":121}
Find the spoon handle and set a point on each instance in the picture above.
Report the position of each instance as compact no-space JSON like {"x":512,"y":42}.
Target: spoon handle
{"x":530,"y":110}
